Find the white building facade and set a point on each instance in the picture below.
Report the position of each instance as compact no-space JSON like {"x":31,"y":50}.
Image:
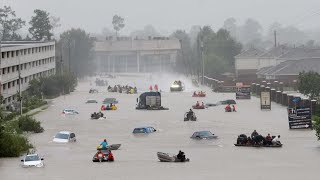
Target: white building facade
{"x":34,"y":59}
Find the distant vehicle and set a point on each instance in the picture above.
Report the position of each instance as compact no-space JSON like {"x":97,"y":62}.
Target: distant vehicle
{"x":225,"y":102}
{"x":64,"y":137}
{"x":150,"y":101}
{"x":203,"y":135}
{"x":70,"y":111}
{"x":144,"y":130}
{"x":93,"y":91}
{"x":32,"y":160}
{"x":89,"y":101}
{"x":110,"y":100}
{"x":177,"y":86}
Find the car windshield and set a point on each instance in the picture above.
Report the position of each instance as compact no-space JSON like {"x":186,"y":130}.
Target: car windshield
{"x":138,"y":130}
{"x":204,"y":134}
{"x":32,"y":158}
{"x":62,"y":136}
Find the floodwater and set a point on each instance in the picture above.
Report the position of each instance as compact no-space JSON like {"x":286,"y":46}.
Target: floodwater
{"x":298,"y":159}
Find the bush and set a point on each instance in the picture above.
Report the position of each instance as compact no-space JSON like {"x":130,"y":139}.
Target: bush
{"x":13,"y":145}
{"x":29,"y":124}
{"x":10,"y":116}
{"x":316,"y":125}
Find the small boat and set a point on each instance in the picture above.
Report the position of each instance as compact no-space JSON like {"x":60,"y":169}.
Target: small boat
{"x":251,"y":145}
{"x":199,"y":95}
{"x":110,"y":147}
{"x":198,"y":107}
{"x":165,"y":157}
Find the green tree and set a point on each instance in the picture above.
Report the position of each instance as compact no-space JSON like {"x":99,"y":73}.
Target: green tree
{"x":184,"y":60}
{"x":10,"y":24}
{"x":41,"y":26}
{"x":77,"y":46}
{"x":219,"y":50}
{"x":309,"y":84}
{"x":118,"y":23}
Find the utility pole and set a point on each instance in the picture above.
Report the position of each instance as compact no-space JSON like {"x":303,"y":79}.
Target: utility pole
{"x":275,"y":38}
{"x":19,"y":80}
{"x":202,"y":59}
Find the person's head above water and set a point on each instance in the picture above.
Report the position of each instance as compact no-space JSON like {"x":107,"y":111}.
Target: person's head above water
{"x":104,"y":140}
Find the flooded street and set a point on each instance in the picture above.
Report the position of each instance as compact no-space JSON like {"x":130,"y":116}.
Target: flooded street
{"x":298,"y":159}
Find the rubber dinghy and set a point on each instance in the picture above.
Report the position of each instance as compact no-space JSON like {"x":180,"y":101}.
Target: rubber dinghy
{"x":165,"y":157}
{"x":268,"y":146}
{"x":198,"y":107}
{"x":110,"y":147}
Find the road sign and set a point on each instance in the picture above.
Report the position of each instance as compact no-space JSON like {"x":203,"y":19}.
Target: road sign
{"x":265,"y":100}
{"x":299,"y":118}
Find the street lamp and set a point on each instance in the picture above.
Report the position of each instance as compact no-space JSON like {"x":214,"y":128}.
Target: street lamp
{"x":202,"y":46}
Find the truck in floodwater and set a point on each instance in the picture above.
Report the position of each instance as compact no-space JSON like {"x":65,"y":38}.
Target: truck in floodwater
{"x":150,"y":101}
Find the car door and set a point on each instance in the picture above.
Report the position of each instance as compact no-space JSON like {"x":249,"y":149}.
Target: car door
{"x":72,"y":137}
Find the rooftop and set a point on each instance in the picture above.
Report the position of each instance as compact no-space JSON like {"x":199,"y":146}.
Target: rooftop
{"x":292,"y":67}
{"x":250,"y":53}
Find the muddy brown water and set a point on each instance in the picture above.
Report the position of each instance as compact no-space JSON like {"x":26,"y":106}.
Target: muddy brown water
{"x":299,"y":158}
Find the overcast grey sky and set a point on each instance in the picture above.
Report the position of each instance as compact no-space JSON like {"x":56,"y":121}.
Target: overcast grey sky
{"x":168,"y":15}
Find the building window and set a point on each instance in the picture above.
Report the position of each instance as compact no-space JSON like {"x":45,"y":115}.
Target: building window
{"x":17,"y":67}
{"x":8,"y":54}
{"x":8,"y":70}
{"x":29,"y":50}
{"x":9,"y":85}
{"x":25,"y":66}
{"x":12,"y":53}
{"x":13,"y":83}
{"x":33,"y":64}
{"x":25,"y":79}
{"x":24,"y":51}
{"x":32,"y":50}
{"x":17,"y":53}
{"x":4,"y":86}
{"x":3,"y":55}
{"x":12,"y":98}
{"x":9,"y":99}
{"x":3,"y":70}
{"x":17,"y":81}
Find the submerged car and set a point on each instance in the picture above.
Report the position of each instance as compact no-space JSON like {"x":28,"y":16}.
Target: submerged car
{"x":110,"y":101}
{"x":70,"y":111}
{"x":64,"y":137}
{"x":32,"y":160}
{"x":203,"y":135}
{"x":91,"y":101}
{"x":225,"y":102}
{"x":144,"y":130}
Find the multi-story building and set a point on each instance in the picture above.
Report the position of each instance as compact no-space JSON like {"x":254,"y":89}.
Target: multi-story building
{"x":136,"y":55}
{"x":33,"y":59}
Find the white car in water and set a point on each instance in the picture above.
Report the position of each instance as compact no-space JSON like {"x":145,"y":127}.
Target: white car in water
{"x":64,"y":137}
{"x":32,"y":160}
{"x":70,"y":112}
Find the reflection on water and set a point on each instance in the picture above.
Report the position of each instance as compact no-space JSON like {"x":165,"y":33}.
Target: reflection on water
{"x":137,"y":159}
